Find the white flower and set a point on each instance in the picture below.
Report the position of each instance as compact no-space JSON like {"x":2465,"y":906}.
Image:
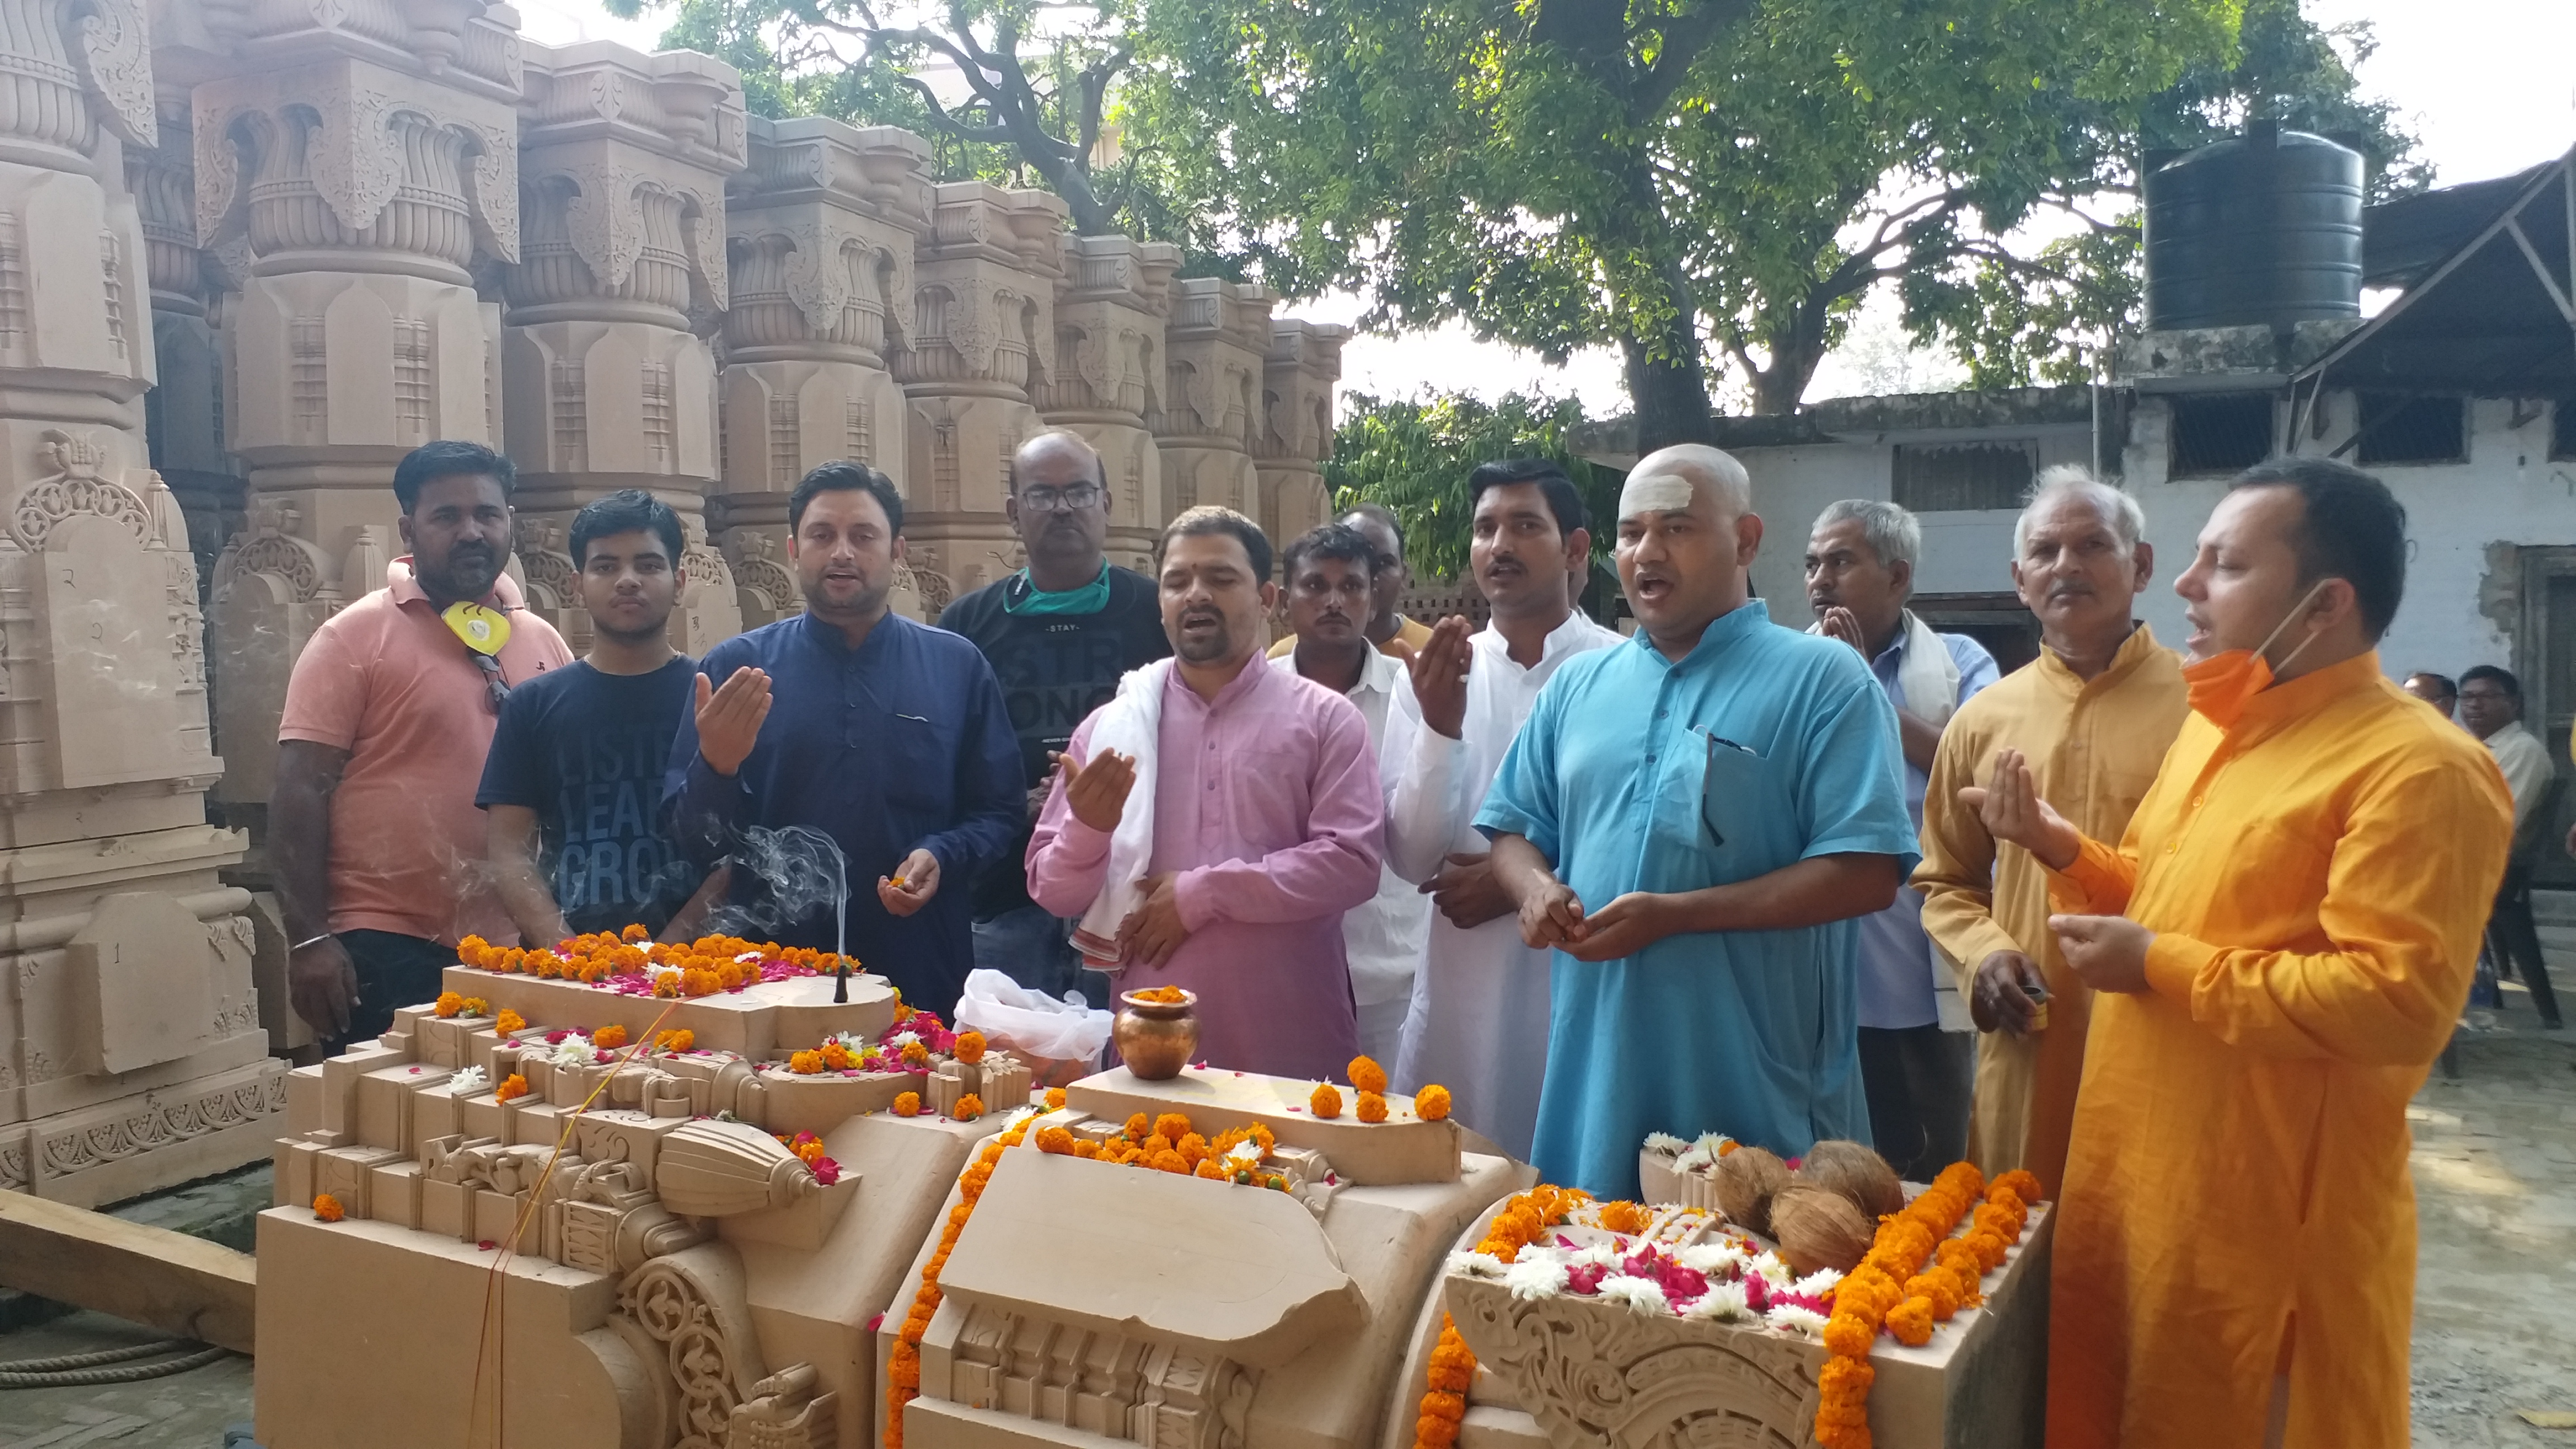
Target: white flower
{"x":1477,"y":1265}
{"x":1795,"y":1319}
{"x":1701,"y":1156}
{"x":902,"y":1039}
{"x":1604,"y":1255}
{"x":1723,"y":1302}
{"x":471,"y":1079}
{"x":1663,"y":1142}
{"x":1535,"y":1275}
{"x":1770,"y":1266}
{"x":1247,"y":1152}
{"x":750,"y":958}
{"x":1644,"y":1295}
{"x":1817,"y":1284}
{"x":1714,"y":1259}
{"x":574,"y":1051}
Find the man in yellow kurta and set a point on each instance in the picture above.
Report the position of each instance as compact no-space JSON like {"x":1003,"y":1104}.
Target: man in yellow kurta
{"x":2303,"y":889}
{"x":2093,"y":715}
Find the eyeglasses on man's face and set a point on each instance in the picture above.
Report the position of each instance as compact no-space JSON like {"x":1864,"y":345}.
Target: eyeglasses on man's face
{"x":1068,"y":499}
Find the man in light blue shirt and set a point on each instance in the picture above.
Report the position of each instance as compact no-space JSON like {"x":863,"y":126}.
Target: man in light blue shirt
{"x":1919,"y":1069}
{"x":1692,"y":820}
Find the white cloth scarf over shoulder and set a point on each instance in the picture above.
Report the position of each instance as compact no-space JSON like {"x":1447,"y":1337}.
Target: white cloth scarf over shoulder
{"x":1925,"y":673}
{"x":1131,"y":724}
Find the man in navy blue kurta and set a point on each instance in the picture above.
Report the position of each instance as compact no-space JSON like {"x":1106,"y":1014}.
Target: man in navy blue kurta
{"x":888,"y":736}
{"x":1693,"y":820}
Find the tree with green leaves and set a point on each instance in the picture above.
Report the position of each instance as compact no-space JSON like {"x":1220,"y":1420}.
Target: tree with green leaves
{"x":1656,"y":174}
{"x":1413,"y":455}
{"x":1007,"y":90}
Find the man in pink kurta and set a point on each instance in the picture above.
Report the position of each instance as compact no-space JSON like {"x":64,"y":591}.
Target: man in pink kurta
{"x":1267,"y":822}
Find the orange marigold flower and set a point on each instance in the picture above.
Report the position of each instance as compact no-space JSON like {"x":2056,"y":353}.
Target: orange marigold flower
{"x":634,"y":932}
{"x":1372,"y":1106}
{"x":328,"y":1209}
{"x":1367,"y":1075}
{"x":969,"y":1107}
{"x":476,"y":1006}
{"x":1162,"y":995}
{"x":908,"y":1105}
{"x":1937,"y":1287}
{"x":837,"y":1057}
{"x":1911,"y":1322}
{"x":1625,"y":1217}
{"x":1207,"y":1168}
{"x":1431,"y":1104}
{"x":448,"y":1005}
{"x":677,"y":1041}
{"x":509,"y":1021}
{"x":609,"y":1038}
{"x":1990,"y":1248}
{"x":807,"y":1064}
{"x":1156,"y":1142}
{"x":1056,"y":1140}
{"x":1849,"y":1333}
{"x":1192,"y":1147}
{"x":915,"y":1054}
{"x":1173,"y":1126}
{"x":1055,"y":1099}
{"x":1325,"y":1102}
{"x":1138,"y":1127}
{"x":1081,"y":1147}
{"x":512,"y":1088}
{"x":969,"y":1047}
{"x":1168,"y":1161}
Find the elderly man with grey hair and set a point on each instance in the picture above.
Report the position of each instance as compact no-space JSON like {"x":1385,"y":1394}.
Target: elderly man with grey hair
{"x":1917,"y":1061}
{"x":2093,"y":715}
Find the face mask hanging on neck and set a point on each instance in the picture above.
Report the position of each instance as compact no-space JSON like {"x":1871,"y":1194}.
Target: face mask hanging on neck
{"x":2223,"y":684}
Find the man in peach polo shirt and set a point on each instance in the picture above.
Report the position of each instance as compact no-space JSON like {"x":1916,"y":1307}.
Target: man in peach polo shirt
{"x":372,"y":826}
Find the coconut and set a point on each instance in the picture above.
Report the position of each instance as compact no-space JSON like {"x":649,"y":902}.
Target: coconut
{"x":1746,"y":1179}
{"x":1818,"y":1229}
{"x":1855,"y":1174}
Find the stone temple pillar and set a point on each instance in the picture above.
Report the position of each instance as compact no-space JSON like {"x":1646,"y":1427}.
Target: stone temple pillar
{"x":130,"y":1049}
{"x":351,"y":163}
{"x":984,"y":304}
{"x":185,"y":408}
{"x":1107,"y":376}
{"x":1219,"y":342}
{"x":1297,"y":425}
{"x":620,"y":281}
{"x":822,"y":230}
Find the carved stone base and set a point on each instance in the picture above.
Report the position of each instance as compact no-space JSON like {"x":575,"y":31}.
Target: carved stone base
{"x":152,"y":1140}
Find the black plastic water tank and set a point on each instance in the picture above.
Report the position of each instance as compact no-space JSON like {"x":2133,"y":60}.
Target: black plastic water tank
{"x":2263,"y":230}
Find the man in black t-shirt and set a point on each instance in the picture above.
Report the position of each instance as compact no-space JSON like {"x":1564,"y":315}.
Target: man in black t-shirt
{"x":1059,"y":634}
{"x":572,"y":787}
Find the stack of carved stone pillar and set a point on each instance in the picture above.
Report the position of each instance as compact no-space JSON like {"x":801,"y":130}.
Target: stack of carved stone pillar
{"x":130,"y":1047}
{"x":349,"y":227}
{"x":621,"y":276}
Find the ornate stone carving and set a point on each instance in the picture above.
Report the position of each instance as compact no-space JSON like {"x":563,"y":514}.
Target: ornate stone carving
{"x":72,"y":486}
{"x":114,"y":52}
{"x":786,"y":1412}
{"x":1597,"y":1374}
{"x":690,"y":1303}
{"x":160,"y":1120}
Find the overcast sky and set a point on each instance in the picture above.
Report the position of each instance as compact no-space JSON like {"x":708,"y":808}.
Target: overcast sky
{"x":2487,"y":84}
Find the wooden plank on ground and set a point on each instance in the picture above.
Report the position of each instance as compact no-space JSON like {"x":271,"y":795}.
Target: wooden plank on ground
{"x":181,"y":1285}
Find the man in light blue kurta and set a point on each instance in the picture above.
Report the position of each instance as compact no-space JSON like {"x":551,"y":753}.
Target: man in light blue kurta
{"x":1693,"y":820}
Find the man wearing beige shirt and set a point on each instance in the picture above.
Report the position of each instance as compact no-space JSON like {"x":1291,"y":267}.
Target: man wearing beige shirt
{"x":2491,"y":709}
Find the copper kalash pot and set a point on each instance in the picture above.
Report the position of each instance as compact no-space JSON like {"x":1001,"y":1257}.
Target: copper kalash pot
{"x":1156,"y":1038}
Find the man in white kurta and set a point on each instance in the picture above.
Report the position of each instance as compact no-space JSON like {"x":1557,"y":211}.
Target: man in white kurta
{"x":1478,"y":1022}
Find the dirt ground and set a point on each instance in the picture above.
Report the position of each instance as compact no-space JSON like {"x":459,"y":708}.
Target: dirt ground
{"x":2495,"y":1293}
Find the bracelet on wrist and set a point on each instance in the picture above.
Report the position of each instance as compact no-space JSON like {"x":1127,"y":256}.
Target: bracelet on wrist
{"x":308,"y":941}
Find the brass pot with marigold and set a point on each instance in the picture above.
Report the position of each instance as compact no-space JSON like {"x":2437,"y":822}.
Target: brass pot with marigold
{"x":1157,"y":1031}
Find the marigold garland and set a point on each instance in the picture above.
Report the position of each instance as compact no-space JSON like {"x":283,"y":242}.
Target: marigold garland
{"x":1189,"y":1154}
{"x":327,"y":1208}
{"x":627,"y":958}
{"x":1515,"y":1225}
{"x":1894,"y":1290}
{"x":903,"y":1366}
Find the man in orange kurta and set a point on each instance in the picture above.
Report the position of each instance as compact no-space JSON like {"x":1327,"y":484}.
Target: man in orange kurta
{"x":2300,"y":898}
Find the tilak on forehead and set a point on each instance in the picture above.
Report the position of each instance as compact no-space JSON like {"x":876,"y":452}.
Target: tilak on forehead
{"x":1659,"y":492}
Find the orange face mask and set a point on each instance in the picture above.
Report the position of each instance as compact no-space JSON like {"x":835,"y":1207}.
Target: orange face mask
{"x":2223,"y":684}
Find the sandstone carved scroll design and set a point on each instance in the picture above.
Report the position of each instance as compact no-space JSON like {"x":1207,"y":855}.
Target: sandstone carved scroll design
{"x":113,"y":49}
{"x":691,"y":1305}
{"x":785,"y":1412}
{"x":73,"y":486}
{"x":1600,"y":1375}
{"x":160,"y":1121}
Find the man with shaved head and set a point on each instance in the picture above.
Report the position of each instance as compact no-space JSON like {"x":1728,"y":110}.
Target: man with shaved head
{"x":1691,"y":821}
{"x":2094,"y":714}
{"x":1059,"y":633}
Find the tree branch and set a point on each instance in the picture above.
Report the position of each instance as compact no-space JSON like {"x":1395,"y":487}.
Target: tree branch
{"x":940,"y":117}
{"x":1684,"y":38}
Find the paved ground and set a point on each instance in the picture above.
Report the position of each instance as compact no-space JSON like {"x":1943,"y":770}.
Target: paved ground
{"x":2495,"y":1321}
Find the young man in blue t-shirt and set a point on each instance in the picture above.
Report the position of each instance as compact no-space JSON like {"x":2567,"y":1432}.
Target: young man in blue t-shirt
{"x":572,"y":788}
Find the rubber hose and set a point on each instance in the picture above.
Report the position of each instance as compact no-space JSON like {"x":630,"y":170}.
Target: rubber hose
{"x":113,"y":1366}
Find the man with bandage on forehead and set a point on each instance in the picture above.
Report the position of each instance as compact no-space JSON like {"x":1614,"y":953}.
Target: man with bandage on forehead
{"x":1692,"y":820}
